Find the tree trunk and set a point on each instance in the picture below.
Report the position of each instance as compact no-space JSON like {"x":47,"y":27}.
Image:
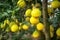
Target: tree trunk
{"x":45,"y":20}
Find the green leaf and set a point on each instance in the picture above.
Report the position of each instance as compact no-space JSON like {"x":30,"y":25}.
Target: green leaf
{"x":9,"y":11}
{"x":5,"y":14}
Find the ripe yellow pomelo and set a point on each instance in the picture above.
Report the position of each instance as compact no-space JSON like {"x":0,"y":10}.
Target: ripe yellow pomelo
{"x":50,"y":10}
{"x":51,"y":34}
{"x":51,"y":28}
{"x":7,"y":21}
{"x":14,"y":28}
{"x":35,"y":34}
{"x":28,"y":12}
{"x":55,"y":4}
{"x":40,"y":26}
{"x":11,"y":23}
{"x":25,"y":27}
{"x":27,"y":19}
{"x":21,"y":3}
{"x":34,"y":20}
{"x":58,"y":32}
{"x":3,"y":26}
{"x":36,"y":12}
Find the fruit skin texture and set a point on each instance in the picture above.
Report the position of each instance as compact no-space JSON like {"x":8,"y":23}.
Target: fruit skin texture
{"x":36,"y":12}
{"x":7,"y":21}
{"x":40,"y":26}
{"x":34,"y":20}
{"x":28,"y":12}
{"x":21,"y":3}
{"x":3,"y":26}
{"x":51,"y":28}
{"x":11,"y":23}
{"x":25,"y":27}
{"x":49,"y":10}
{"x":27,"y":19}
{"x":55,"y":4}
{"x":58,"y":32}
{"x":35,"y":34}
{"x":14,"y":28}
{"x":51,"y":34}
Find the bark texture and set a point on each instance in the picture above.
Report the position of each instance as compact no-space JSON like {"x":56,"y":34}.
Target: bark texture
{"x":45,"y":20}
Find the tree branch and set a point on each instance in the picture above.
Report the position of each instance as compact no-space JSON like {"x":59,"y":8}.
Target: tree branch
{"x":45,"y":20}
